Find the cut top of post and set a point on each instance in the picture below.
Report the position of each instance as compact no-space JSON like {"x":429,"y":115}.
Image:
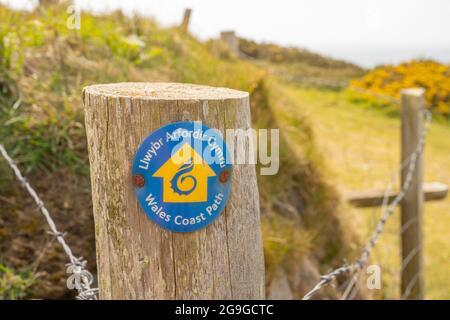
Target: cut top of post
{"x":416,"y":92}
{"x":164,"y":91}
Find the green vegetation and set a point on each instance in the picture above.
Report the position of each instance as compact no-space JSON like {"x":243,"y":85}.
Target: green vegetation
{"x":44,"y":66}
{"x":14,"y":285}
{"x":300,"y":65}
{"x":362,"y":155}
{"x":331,"y":142}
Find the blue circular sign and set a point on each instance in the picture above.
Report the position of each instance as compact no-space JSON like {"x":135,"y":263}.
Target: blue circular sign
{"x":182,"y":176}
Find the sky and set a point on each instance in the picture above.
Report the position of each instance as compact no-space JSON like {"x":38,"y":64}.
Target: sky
{"x":366,"y":32}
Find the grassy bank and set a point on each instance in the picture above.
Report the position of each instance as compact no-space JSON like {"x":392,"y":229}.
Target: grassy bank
{"x":43,"y":68}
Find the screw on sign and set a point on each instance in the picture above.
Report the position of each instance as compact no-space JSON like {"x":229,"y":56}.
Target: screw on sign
{"x":181,"y":174}
{"x":224,"y":176}
{"x":138,"y":180}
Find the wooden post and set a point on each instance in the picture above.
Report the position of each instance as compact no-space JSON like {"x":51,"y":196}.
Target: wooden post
{"x":229,"y":37}
{"x":412,"y":282}
{"x":137,"y":259}
{"x":186,"y":19}
{"x":432,"y":191}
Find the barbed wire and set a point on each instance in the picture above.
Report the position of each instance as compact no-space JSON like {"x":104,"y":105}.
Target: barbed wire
{"x":351,"y":290}
{"x":80,"y":278}
{"x":359,"y":264}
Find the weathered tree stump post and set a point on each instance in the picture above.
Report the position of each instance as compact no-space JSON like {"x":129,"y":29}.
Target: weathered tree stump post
{"x":412,"y":282}
{"x":138,"y":259}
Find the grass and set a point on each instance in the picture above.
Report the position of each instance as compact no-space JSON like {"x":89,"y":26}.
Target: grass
{"x":14,"y":285}
{"x":43,"y":68}
{"x":326,"y":137}
{"x":360,"y":144}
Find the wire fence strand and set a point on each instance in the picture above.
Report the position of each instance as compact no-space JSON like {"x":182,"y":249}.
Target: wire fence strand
{"x":387,"y":212}
{"x":80,"y":278}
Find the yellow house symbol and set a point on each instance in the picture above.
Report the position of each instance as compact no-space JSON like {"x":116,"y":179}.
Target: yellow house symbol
{"x":185,"y":176}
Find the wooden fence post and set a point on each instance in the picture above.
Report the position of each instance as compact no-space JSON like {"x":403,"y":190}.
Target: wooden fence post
{"x":138,"y":259}
{"x":412,"y":282}
{"x":229,"y":37}
{"x":186,"y":19}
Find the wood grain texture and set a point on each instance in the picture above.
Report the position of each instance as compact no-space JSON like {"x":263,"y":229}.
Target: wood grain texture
{"x":136,"y":258}
{"x":412,"y":282}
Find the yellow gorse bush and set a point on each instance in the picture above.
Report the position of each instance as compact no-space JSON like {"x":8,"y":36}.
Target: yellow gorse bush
{"x":388,"y":80}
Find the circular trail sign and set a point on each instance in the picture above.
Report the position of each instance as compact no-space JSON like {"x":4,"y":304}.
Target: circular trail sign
{"x":182,"y":176}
